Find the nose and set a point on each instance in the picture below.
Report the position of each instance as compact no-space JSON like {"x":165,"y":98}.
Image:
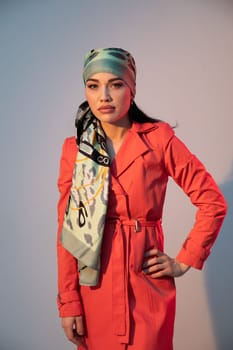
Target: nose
{"x":105,"y":96}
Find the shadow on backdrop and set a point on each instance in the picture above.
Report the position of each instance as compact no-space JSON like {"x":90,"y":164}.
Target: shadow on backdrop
{"x":219,"y":278}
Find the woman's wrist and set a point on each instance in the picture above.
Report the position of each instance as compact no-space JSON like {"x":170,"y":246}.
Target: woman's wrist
{"x":180,"y":268}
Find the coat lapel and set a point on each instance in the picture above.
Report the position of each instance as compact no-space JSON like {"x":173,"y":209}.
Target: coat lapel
{"x":132,"y":148}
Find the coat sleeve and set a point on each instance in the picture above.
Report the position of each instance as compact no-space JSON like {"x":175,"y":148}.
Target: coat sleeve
{"x":68,"y":300}
{"x":190,"y":174}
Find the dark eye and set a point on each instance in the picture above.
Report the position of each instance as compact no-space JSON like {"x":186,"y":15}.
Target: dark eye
{"x":92,"y":86}
{"x":117,"y":85}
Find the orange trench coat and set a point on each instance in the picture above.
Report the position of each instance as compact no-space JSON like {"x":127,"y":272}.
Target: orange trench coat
{"x":128,"y":309}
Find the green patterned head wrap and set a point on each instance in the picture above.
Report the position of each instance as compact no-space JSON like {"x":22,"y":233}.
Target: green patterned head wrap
{"x":111,"y":60}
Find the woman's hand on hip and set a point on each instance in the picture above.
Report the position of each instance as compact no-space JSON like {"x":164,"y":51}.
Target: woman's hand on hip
{"x":158,"y":264}
{"x":74,"y":329}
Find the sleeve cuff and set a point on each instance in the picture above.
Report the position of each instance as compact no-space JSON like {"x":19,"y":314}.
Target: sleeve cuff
{"x":192,"y":255}
{"x":69,"y":304}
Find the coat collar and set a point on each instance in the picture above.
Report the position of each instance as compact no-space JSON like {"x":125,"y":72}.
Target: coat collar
{"x":132,"y":147}
{"x":144,"y":127}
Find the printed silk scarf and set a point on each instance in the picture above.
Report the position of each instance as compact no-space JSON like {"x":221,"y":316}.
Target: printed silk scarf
{"x":84,"y":220}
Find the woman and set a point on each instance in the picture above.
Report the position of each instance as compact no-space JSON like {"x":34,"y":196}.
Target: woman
{"x":112,"y":183}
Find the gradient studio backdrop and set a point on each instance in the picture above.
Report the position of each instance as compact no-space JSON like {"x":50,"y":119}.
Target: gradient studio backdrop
{"x":184,"y":54}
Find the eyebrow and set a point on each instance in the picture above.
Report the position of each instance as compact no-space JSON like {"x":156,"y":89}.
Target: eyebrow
{"x":109,"y":81}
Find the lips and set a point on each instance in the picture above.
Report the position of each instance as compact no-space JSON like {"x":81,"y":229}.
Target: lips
{"x":106,"y":109}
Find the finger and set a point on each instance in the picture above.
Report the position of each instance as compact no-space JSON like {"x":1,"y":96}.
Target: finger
{"x":167,"y":269}
{"x":163,"y":270}
{"x":69,"y":332}
{"x":153,"y":261}
{"x":154,"y":268}
{"x":69,"y":326}
{"x":153,"y":252}
{"x":159,"y":274}
{"x":79,"y":325}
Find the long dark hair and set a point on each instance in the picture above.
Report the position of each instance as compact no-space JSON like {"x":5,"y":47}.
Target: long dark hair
{"x":137,"y":115}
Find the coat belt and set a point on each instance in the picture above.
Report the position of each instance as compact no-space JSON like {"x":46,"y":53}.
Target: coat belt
{"x":120,"y":274}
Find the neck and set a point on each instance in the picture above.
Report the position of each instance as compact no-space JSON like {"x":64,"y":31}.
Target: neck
{"x":115,"y":135}
{"x":116,"y":132}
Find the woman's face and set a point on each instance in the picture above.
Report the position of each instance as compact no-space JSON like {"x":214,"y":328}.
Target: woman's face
{"x":109,"y":98}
